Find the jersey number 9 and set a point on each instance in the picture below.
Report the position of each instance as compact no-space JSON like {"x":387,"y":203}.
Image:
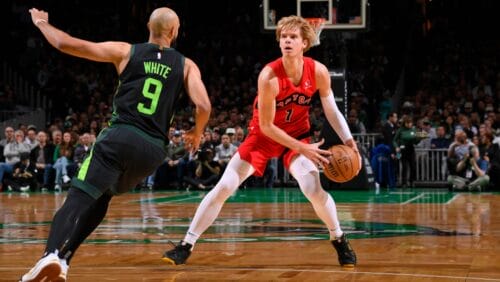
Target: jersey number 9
{"x":151,"y":90}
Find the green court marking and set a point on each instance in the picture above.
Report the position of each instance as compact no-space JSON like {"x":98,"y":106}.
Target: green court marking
{"x":294,"y":195}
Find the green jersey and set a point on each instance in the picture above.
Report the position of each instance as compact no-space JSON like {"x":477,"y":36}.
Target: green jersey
{"x":149,"y":89}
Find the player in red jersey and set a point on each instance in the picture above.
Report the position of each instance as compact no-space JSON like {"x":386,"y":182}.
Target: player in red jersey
{"x":280,"y":127}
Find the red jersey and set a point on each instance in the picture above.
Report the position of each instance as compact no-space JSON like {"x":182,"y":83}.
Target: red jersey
{"x":292,"y":102}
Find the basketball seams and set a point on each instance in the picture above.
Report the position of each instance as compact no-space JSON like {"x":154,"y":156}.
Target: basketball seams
{"x":338,"y":167}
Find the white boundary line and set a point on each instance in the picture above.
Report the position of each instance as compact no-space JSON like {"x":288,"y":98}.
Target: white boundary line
{"x":452,"y":199}
{"x":215,"y":269}
{"x":414,"y":198}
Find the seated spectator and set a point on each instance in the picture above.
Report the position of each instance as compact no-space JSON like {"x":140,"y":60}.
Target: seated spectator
{"x":207,"y":171}
{"x":12,"y":152}
{"x":63,"y":155}
{"x":31,"y":137}
{"x":176,"y":152}
{"x":492,"y":157}
{"x":440,"y":141}
{"x":9,"y":137}
{"x":355,"y":125}
{"x":239,"y":136}
{"x":224,"y":151}
{"x":23,"y":176}
{"x":43,"y":158}
{"x":231,"y":132}
{"x":470,"y":170}
{"x":80,"y":152}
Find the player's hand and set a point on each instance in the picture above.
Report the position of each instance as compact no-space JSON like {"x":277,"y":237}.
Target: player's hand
{"x":352,"y":143}
{"x":192,"y":139}
{"x":314,"y":153}
{"x":38,"y":15}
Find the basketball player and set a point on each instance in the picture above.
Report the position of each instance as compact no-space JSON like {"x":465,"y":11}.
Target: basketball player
{"x":280,"y":127}
{"x":151,"y":78}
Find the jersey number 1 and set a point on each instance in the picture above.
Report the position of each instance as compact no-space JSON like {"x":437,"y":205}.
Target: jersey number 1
{"x":151,"y":90}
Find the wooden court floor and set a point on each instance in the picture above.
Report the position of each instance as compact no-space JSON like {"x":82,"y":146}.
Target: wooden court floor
{"x":269,"y":235}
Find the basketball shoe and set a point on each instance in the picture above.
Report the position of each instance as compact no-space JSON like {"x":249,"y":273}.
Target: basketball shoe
{"x":48,"y":268}
{"x":179,"y":254}
{"x":347,"y":257}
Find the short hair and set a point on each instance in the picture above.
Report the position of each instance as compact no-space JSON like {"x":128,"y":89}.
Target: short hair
{"x":306,"y":30}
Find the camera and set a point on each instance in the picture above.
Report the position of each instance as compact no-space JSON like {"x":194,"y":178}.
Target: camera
{"x":471,"y":152}
{"x":204,"y":154}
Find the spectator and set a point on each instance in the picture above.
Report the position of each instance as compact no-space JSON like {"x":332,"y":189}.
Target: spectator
{"x":31,"y":136}
{"x":12,"y":152}
{"x":23,"y":175}
{"x":9,"y":137}
{"x":80,"y":152}
{"x":63,"y":155}
{"x":225,"y":151}
{"x":207,"y":171}
{"x":239,"y":136}
{"x":43,"y":158}
{"x":389,"y":129}
{"x":440,"y":141}
{"x":316,"y":133}
{"x":355,"y":125}
{"x":383,"y":165}
{"x":427,"y":132}
{"x":176,"y":151}
{"x":57,"y":137}
{"x":231,"y":132}
{"x":404,"y":143}
{"x":470,"y":172}
{"x":492,"y":157}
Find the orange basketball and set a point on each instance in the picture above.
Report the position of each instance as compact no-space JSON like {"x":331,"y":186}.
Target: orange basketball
{"x":344,"y":164}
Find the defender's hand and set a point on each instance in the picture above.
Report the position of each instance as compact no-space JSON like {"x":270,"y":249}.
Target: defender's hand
{"x":38,"y":16}
{"x":192,"y":139}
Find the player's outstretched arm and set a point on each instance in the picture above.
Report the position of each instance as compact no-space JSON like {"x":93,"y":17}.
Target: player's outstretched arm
{"x":198,"y":94}
{"x":110,"y":52}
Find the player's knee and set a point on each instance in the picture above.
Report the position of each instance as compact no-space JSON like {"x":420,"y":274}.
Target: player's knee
{"x":311,"y":187}
{"x":226,"y":187}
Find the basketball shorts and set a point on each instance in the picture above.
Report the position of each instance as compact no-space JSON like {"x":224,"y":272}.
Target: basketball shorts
{"x":257,"y":149}
{"x":121,"y":158}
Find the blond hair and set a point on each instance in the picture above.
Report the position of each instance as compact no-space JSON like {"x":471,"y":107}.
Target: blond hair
{"x":306,"y":30}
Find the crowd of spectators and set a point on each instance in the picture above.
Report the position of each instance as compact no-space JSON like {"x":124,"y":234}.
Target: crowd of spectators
{"x":457,"y":89}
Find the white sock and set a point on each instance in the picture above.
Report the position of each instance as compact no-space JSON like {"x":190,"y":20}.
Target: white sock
{"x":191,"y":237}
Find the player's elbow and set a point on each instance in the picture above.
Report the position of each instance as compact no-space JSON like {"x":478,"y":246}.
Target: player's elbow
{"x":266,"y":128}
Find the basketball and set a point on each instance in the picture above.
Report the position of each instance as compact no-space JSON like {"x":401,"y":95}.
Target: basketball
{"x":344,"y":164}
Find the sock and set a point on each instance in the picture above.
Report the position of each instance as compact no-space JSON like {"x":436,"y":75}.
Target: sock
{"x":191,"y":238}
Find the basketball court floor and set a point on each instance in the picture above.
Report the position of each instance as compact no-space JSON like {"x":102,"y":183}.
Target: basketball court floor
{"x":269,"y":235}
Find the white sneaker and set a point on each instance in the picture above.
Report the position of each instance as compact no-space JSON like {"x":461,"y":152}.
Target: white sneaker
{"x":66,"y":179}
{"x":48,"y":268}
{"x":25,"y":188}
{"x":57,"y":188}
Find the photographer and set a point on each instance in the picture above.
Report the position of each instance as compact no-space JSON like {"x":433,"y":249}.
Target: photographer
{"x":467,"y":168}
{"x":207,"y":171}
